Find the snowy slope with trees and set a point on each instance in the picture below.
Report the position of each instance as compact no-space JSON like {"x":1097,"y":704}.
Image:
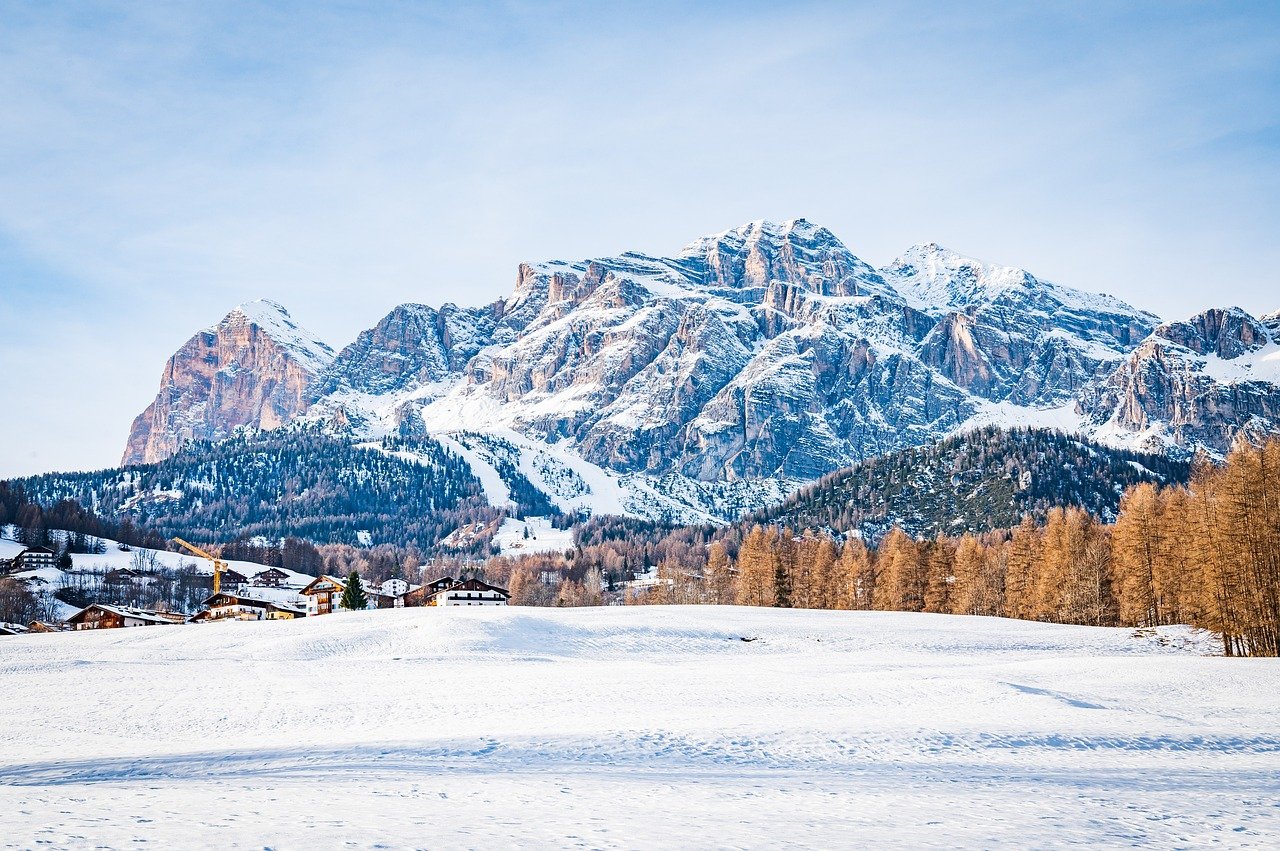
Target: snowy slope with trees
{"x":636,"y":727}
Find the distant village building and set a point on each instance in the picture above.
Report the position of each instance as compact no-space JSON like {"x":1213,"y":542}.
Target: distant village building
{"x":226,"y":606}
{"x":272,"y":577}
{"x":419,"y":596}
{"x":47,"y":626}
{"x":13,"y":629}
{"x":103,"y":616}
{"x":31,"y":558}
{"x":232,"y":578}
{"x":469,"y":592}
{"x":122,"y":576}
{"x":395,"y":588}
{"x":323,"y":595}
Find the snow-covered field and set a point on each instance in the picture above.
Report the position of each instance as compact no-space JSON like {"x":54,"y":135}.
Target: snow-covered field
{"x":634,"y":727}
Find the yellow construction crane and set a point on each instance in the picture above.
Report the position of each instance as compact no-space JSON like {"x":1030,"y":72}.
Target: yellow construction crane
{"x":218,"y":564}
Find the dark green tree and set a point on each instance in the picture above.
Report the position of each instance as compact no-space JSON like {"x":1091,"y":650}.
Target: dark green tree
{"x":353,"y":596}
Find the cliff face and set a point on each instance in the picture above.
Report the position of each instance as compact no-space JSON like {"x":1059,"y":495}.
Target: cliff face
{"x":254,"y":368}
{"x":1197,"y":384}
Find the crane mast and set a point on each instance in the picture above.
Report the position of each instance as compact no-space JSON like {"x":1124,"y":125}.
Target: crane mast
{"x":218,"y":564}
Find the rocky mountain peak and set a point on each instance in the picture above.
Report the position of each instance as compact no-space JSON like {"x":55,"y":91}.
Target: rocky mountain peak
{"x":1225,"y":332}
{"x":273,"y":320}
{"x":765,"y":353}
{"x":253,"y":368}
{"x":795,"y":252}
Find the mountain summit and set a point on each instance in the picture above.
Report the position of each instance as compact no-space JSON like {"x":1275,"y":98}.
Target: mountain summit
{"x":253,"y":368}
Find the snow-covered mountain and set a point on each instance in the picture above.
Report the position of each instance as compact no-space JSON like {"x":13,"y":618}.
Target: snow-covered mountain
{"x":1198,"y":383}
{"x":254,"y":368}
{"x":752,"y":360}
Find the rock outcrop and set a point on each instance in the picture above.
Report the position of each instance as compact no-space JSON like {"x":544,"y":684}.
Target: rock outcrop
{"x":255,"y":368}
{"x":1198,"y":384}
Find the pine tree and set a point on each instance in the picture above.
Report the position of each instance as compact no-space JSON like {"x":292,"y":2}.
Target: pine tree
{"x":353,"y":596}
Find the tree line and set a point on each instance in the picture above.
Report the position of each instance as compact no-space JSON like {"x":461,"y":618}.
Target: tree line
{"x":1206,"y":553}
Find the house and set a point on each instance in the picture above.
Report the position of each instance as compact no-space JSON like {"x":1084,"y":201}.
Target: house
{"x":102,"y":616}
{"x":123,"y":576}
{"x":12,"y":629}
{"x":469,"y":592}
{"x":420,"y":595}
{"x":272,"y":577}
{"x":231,"y":578}
{"x":325,"y":593}
{"x":32,"y":558}
{"x":47,"y":626}
{"x":224,"y":606}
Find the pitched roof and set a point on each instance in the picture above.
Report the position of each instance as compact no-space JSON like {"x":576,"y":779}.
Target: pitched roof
{"x":471,"y":584}
{"x":128,"y":612}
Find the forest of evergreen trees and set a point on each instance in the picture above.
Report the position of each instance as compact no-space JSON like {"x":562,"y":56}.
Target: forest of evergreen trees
{"x":974,"y":482}
{"x":292,"y":482}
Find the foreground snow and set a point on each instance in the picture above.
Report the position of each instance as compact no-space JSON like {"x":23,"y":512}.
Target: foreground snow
{"x":634,"y":727}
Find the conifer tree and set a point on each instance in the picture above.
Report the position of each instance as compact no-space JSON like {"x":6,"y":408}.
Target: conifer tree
{"x":939,"y":578}
{"x":353,"y":596}
{"x":757,"y":573}
{"x":855,"y":579}
{"x":718,"y":576}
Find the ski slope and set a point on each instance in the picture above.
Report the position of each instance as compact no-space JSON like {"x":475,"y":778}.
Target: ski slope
{"x":635,"y":727}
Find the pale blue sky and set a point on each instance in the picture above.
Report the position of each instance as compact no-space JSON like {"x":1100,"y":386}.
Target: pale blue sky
{"x":160,"y":163}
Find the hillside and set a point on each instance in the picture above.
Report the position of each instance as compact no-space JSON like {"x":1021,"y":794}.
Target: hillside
{"x":298,"y":481}
{"x":902,"y":730}
{"x":981,"y":480}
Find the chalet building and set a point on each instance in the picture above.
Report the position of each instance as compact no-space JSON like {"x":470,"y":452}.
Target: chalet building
{"x":421,"y":595}
{"x":102,"y":616}
{"x":232,"y":578}
{"x":126,"y":576}
{"x":240,"y":607}
{"x":395,"y":588}
{"x":47,"y":626}
{"x":469,"y":592}
{"x":31,"y":558}
{"x":272,"y":577}
{"x":325,"y":593}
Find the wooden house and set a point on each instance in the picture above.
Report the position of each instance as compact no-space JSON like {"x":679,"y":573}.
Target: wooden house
{"x":233,"y":578}
{"x":224,"y":606}
{"x":469,"y":592}
{"x":13,"y":629}
{"x":47,"y":626}
{"x":31,"y":558}
{"x":421,"y":595}
{"x":122,"y":576}
{"x":272,"y":577}
{"x":323,"y":594}
{"x":102,"y":616}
